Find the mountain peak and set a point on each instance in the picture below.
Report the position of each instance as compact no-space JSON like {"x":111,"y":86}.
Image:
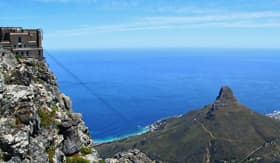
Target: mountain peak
{"x":230,"y":132}
{"x":225,"y":93}
{"x":225,"y":98}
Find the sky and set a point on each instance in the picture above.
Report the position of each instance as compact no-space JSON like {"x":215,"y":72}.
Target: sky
{"x":90,"y":24}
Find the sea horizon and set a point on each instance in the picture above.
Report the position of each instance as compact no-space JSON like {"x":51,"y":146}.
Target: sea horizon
{"x":147,"y":85}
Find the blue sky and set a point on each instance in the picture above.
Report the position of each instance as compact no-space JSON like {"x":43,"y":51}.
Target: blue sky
{"x":76,"y":24}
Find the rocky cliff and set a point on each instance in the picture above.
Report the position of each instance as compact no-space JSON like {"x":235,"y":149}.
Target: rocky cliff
{"x":36,"y":120}
{"x":37,"y":124}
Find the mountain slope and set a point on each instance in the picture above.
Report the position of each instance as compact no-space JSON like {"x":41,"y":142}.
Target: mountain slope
{"x":224,"y":130}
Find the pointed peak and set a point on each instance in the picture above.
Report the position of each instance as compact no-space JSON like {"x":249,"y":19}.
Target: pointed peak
{"x":225,"y":94}
{"x":225,"y":98}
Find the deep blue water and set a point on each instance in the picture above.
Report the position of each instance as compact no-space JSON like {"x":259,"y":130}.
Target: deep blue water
{"x":142,"y":86}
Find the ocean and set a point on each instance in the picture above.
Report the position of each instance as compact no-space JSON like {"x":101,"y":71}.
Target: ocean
{"x":121,"y":91}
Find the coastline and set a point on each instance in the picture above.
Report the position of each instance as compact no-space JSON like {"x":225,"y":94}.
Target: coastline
{"x":165,"y":98}
{"x":157,"y":125}
{"x":149,"y":128}
{"x":140,"y":131}
{"x":275,"y":114}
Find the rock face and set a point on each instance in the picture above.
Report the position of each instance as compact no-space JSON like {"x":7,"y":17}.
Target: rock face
{"x":37,"y":124}
{"x":225,"y":99}
{"x":131,"y":156}
{"x":66,"y":102}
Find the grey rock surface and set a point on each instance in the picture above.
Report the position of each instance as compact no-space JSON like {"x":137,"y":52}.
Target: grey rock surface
{"x":66,"y":102}
{"x":37,"y":124}
{"x":225,"y":100}
{"x":131,"y":156}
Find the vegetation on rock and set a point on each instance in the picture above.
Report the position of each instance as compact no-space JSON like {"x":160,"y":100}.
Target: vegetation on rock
{"x":86,"y":150}
{"x":75,"y":159}
{"x":18,"y":57}
{"x":51,"y":153}
{"x":46,"y":117}
{"x":6,"y":76}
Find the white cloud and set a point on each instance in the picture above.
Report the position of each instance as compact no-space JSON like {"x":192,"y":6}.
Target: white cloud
{"x":185,"y":10}
{"x":216,"y":17}
{"x":234,"y":20}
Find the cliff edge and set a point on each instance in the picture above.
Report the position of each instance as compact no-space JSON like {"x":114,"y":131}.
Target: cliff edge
{"x":37,"y":124}
{"x":36,"y":120}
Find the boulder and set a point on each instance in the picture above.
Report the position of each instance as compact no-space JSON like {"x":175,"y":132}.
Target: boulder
{"x":72,"y":143}
{"x":72,"y":140}
{"x":18,"y":93}
{"x":20,"y":77}
{"x":37,"y":151}
{"x":131,"y":156}
{"x":25,"y":112}
{"x":59,"y":156}
{"x":66,"y":102}
{"x":16,"y":144}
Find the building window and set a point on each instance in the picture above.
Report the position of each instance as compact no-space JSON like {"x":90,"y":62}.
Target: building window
{"x":6,"y":37}
{"x":16,"y":53}
{"x":27,"y":53}
{"x":19,"y":39}
{"x":15,"y":46}
{"x":20,"y":46}
{"x":22,"y":53}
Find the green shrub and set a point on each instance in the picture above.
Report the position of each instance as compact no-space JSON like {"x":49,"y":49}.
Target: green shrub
{"x":46,"y":117}
{"x":51,"y":153}
{"x":38,"y":80}
{"x":18,"y":57}
{"x":6,"y":76}
{"x":100,"y":161}
{"x":55,"y":108}
{"x":76,"y":160}
{"x":86,"y":150}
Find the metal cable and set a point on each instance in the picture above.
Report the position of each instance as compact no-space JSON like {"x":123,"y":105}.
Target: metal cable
{"x":85,"y":86}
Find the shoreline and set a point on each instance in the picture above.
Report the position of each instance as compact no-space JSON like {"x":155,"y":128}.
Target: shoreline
{"x":149,"y":128}
{"x":140,"y":131}
{"x":156,"y":125}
